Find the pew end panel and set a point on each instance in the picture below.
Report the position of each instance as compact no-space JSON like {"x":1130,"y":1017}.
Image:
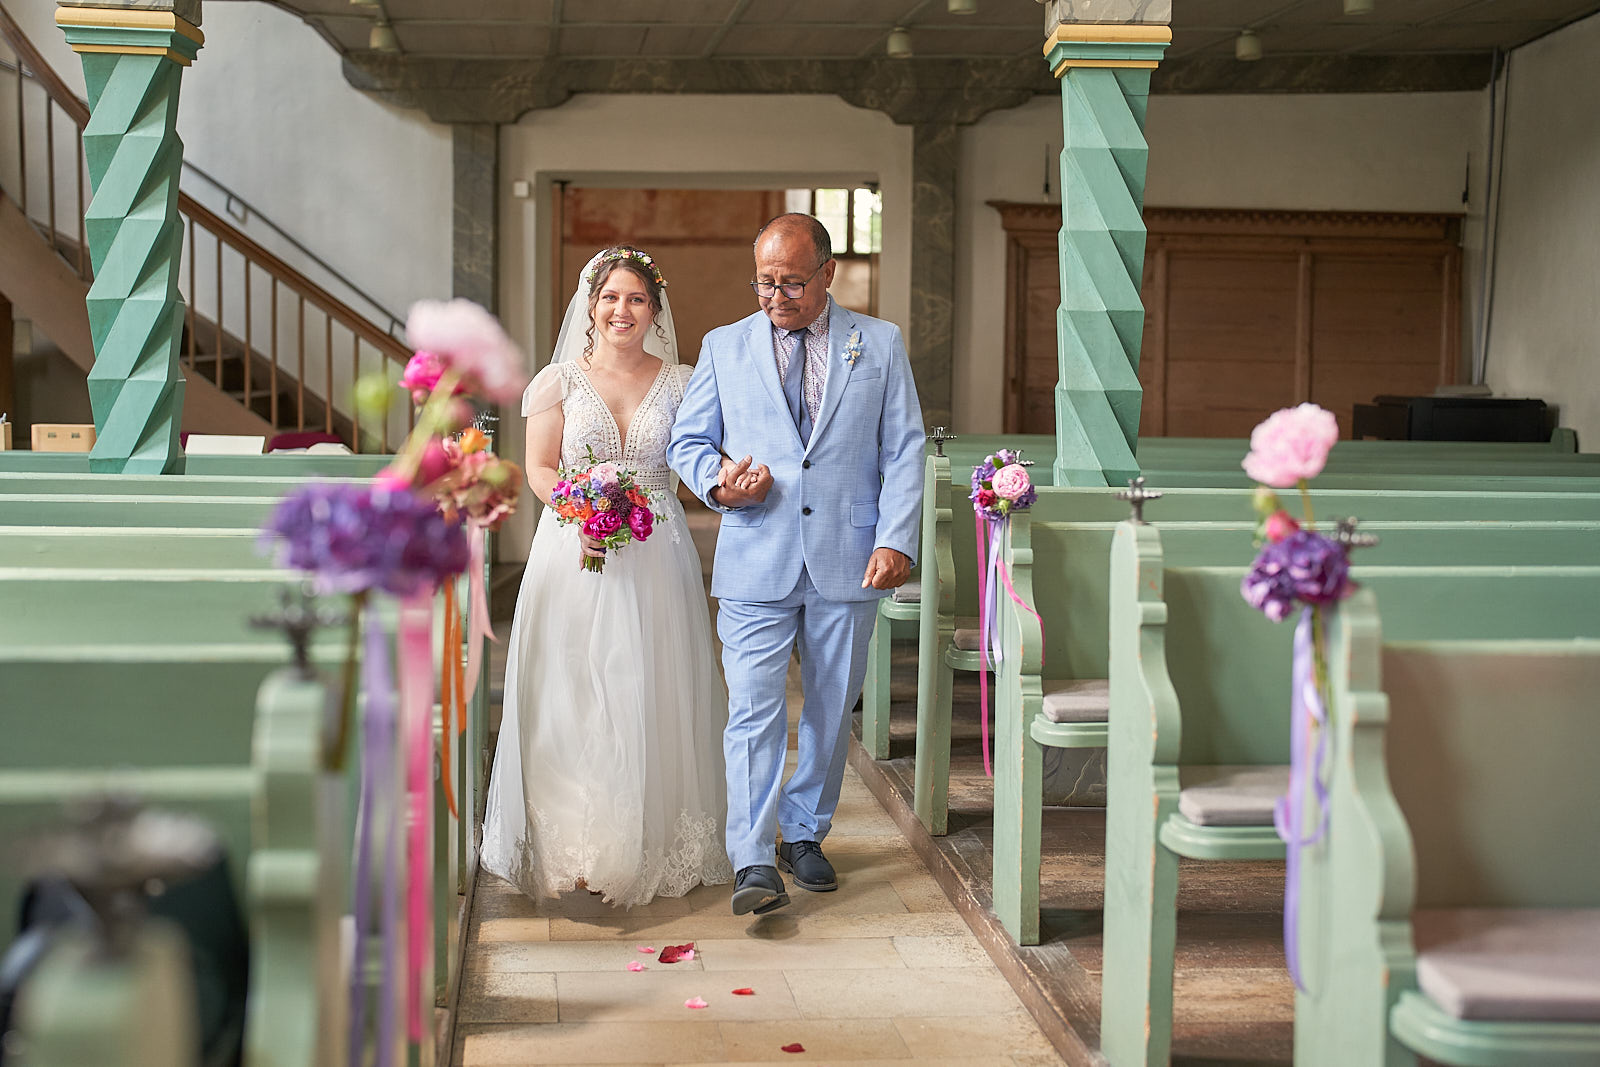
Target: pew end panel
{"x":1018,"y":697}
{"x":936,"y":628}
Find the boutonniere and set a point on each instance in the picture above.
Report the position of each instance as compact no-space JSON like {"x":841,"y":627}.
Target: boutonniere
{"x":852,"y":349}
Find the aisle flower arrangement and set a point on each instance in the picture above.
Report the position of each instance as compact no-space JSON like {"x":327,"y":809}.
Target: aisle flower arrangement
{"x":1298,"y":567}
{"x":1001,"y":486}
{"x":408,"y":533}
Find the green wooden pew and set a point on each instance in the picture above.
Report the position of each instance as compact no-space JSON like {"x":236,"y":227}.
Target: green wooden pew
{"x":267,"y":797}
{"x":275,"y":465}
{"x":948,"y":582}
{"x":53,"y":509}
{"x":1199,"y":732}
{"x":90,"y":485}
{"x":1061,"y":570}
{"x":1462,"y":809}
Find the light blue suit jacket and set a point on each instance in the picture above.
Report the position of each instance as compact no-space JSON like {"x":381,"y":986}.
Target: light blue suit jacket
{"x":860,"y":476}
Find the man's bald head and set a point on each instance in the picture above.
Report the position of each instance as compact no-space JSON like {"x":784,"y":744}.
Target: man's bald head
{"x":794,"y":249}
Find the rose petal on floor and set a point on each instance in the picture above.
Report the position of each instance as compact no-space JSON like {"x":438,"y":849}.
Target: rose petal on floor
{"x":636,"y":966}
{"x":677,"y":953}
{"x":796,"y":1047}
{"x":695,"y":1003}
{"x":646,"y":948}
{"x":744,"y":992}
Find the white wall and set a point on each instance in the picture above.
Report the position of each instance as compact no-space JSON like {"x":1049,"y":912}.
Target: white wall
{"x":1544,"y":338}
{"x":687,"y":141}
{"x":1365,"y":152}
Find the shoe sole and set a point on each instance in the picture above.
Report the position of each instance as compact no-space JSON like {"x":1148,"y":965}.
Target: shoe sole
{"x":817,"y":887}
{"x":758,"y":900}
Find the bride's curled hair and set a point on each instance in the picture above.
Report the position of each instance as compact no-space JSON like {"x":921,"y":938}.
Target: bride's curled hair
{"x":640,"y":265}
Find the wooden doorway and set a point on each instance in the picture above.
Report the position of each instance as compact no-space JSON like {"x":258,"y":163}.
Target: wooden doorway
{"x":1250,"y":311}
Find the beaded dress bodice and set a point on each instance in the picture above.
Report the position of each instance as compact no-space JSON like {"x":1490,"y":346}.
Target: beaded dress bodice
{"x":588,"y":422}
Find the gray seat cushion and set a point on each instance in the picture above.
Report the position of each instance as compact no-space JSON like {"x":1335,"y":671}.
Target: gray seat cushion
{"x":1226,"y":795}
{"x":910,"y":593}
{"x":966,"y":638}
{"x":1511,"y":964}
{"x":1077,"y":700}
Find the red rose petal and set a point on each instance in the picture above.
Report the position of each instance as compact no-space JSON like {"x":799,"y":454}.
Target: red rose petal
{"x":745,"y":992}
{"x":796,"y":1047}
{"x":676,"y":953}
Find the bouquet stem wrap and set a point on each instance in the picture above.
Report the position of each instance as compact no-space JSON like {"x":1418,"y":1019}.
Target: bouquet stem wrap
{"x":1306,"y":762}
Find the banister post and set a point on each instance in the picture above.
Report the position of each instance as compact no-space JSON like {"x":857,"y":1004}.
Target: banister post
{"x":133,"y":54}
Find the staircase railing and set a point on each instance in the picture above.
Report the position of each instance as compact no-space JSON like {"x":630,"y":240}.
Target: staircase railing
{"x":276,"y":341}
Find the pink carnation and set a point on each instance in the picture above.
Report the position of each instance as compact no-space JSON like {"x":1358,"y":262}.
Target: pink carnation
{"x":1280,"y":525}
{"x":466,"y":338}
{"x":641,"y":523}
{"x":985,"y":498}
{"x":1291,"y":446}
{"x":422,"y":375}
{"x":1011,"y":482}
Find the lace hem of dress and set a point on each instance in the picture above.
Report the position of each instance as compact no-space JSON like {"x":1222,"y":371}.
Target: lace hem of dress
{"x":546,"y":863}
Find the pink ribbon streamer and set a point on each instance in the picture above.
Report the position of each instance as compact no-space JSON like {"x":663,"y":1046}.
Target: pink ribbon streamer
{"x":417,"y":688}
{"x":1307,"y":716}
{"x":478,"y":624}
{"x":992,"y":574}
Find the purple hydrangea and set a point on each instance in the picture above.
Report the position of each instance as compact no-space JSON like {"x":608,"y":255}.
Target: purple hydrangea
{"x":1305,"y":566}
{"x":362,"y":538}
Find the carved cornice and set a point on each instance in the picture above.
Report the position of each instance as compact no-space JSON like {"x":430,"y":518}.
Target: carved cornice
{"x":911,"y":92}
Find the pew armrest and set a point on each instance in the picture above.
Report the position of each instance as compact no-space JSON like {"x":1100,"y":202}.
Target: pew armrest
{"x":1424,"y":1027}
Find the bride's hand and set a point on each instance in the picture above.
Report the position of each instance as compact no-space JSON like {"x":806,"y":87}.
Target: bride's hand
{"x":591,"y":547}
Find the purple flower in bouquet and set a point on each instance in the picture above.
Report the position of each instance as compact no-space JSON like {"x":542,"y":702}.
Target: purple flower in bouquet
{"x":363,"y":538}
{"x":1305,"y":567}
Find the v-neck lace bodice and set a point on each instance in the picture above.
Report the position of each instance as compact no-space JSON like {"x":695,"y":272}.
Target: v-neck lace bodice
{"x":588,"y":422}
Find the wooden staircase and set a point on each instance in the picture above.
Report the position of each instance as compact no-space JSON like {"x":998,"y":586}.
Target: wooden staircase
{"x":264,"y":348}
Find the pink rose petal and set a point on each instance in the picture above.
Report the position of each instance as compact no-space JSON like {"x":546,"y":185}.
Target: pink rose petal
{"x":646,"y":948}
{"x":635,"y":966}
{"x":695,"y":1003}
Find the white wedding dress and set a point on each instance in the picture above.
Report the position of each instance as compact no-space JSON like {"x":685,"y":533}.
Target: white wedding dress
{"x":609,"y":765}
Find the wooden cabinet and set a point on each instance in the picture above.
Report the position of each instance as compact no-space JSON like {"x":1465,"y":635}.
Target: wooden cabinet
{"x":1250,"y":311}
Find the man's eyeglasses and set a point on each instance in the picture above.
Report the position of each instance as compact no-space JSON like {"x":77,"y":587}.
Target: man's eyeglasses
{"x":792,"y":290}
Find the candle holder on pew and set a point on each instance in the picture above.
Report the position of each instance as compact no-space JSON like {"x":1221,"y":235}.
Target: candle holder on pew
{"x":1137,"y":496}
{"x":299,"y":617}
{"x":939,"y":436}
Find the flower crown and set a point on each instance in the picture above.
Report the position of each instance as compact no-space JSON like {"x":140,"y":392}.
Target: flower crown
{"x":616,"y":255}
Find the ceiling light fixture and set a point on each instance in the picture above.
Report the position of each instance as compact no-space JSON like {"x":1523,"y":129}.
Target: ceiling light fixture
{"x":1247,"y":46}
{"x":963,"y":7}
{"x":899,"y":46}
{"x":382,"y":38}
{"x":1359,"y":7}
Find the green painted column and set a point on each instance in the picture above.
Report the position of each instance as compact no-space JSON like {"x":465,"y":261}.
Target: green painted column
{"x":133,"y":57}
{"x":1104,"y":71}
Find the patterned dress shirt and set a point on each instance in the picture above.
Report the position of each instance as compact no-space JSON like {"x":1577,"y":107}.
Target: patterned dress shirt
{"x":816,"y":364}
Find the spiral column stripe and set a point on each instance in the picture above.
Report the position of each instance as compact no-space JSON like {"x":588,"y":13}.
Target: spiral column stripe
{"x":1105,"y":86}
{"x":134,"y":156}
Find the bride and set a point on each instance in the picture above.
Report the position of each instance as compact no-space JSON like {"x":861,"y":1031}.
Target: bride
{"x":608,"y":774}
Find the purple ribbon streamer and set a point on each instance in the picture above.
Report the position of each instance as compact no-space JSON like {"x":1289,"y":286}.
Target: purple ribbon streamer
{"x":377,"y":774}
{"x":1306,"y":714}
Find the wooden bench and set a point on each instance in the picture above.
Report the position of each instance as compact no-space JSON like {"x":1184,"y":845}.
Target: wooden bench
{"x":266,"y":795}
{"x":1199,"y":733}
{"x":949,"y":581}
{"x":1060,"y":569}
{"x":1453,"y":910}
{"x":297,"y":465}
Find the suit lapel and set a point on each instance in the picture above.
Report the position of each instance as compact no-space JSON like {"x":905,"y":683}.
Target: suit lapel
{"x":759,"y":344}
{"x":841,"y":324}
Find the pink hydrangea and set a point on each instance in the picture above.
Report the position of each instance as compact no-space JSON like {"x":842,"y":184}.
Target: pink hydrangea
{"x":1291,"y":446}
{"x":1011,"y":482}
{"x":466,"y":338}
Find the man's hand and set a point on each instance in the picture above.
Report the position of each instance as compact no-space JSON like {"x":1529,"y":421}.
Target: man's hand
{"x":741,"y":484}
{"x":887,"y":569}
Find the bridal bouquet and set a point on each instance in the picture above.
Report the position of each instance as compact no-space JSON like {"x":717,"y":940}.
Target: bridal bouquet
{"x":603,"y":500}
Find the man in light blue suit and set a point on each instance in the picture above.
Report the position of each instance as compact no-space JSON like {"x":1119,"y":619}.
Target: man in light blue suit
{"x":812,"y":536}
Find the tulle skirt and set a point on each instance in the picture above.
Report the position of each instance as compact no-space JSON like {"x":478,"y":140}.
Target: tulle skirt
{"x":609,"y":764}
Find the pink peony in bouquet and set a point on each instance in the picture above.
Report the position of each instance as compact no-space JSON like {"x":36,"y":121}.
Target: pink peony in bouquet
{"x":606,"y":504}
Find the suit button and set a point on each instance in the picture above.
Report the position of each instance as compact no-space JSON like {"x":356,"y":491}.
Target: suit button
{"x":805,"y":511}
{"x":805,"y":464}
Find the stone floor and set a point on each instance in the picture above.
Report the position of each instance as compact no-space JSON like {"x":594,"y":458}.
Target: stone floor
{"x":883,"y":970}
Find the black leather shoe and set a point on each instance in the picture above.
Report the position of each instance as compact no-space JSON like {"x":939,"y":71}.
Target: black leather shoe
{"x":809,"y":867}
{"x":758,"y":889}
